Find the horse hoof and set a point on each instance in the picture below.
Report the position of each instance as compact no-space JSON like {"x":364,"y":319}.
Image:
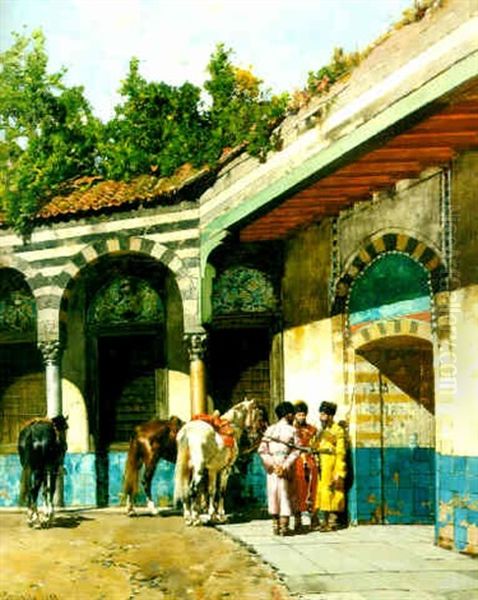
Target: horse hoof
{"x":153,"y":511}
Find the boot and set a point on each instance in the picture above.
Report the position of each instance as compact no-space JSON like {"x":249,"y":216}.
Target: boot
{"x":333,"y":522}
{"x":298,"y":523}
{"x":314,"y":521}
{"x":275,"y":524}
{"x":325,"y":525}
{"x":284,"y":526}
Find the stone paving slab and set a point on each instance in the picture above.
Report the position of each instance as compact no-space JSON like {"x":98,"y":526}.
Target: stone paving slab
{"x":379,"y":562}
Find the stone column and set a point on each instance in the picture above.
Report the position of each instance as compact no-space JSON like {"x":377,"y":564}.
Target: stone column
{"x":51,"y":351}
{"x":196,"y":343}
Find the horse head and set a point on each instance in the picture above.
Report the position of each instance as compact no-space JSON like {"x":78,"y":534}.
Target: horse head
{"x":174,"y":425}
{"x":250,"y":417}
{"x":60,"y":422}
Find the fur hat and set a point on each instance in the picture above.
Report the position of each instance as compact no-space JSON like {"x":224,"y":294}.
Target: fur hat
{"x":329,"y":408}
{"x":283,"y":409}
{"x":300,"y":406}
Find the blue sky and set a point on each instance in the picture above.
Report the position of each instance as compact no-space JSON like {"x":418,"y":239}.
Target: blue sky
{"x":282,"y":40}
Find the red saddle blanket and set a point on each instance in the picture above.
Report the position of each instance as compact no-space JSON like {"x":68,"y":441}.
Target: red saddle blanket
{"x":221,"y":426}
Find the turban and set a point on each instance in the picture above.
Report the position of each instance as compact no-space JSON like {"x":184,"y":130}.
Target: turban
{"x":283,"y":409}
{"x":301,"y":406}
{"x":329,"y":408}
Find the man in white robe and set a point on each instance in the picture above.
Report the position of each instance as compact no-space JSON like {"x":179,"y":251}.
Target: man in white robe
{"x":279,"y":449}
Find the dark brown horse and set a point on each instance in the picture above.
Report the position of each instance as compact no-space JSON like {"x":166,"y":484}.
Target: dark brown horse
{"x":150,"y":441}
{"x":42,"y":447}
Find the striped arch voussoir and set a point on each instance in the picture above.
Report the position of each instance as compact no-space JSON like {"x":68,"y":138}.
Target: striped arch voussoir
{"x":114,"y":245}
{"x":385,"y":243}
{"x":396,"y":327}
{"x":20,"y":265}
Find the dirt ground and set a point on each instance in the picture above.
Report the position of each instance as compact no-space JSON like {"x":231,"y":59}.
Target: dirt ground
{"x":104,"y":555}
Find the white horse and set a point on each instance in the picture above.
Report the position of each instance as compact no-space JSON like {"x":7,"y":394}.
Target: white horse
{"x":206,"y":454}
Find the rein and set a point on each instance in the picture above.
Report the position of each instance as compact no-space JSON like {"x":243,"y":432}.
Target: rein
{"x":305,"y":449}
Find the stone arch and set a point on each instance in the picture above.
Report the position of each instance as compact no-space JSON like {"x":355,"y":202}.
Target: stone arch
{"x":374,"y":247}
{"x":14,"y":262}
{"x":398,"y":327}
{"x":53,"y":297}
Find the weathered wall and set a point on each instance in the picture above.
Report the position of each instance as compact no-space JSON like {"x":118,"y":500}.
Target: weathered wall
{"x":464,"y":190}
{"x":457,"y":372}
{"x":312,"y":358}
{"x":413,"y":207}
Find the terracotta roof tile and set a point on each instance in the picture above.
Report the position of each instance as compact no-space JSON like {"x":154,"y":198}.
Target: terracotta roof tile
{"x":87,"y":194}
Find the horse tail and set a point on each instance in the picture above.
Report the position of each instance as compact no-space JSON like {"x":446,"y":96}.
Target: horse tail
{"x":25,"y":484}
{"x":133,"y":465}
{"x":182,"y":470}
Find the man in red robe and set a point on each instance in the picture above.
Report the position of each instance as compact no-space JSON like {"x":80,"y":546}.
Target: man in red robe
{"x":305,"y":466}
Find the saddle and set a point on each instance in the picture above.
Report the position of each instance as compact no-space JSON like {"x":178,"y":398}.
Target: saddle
{"x":221,"y":426}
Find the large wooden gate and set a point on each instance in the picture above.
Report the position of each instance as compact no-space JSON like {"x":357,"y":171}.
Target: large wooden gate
{"x":395,"y":432}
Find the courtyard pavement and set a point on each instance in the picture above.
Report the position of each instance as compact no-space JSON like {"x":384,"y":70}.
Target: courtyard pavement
{"x":368,"y":562}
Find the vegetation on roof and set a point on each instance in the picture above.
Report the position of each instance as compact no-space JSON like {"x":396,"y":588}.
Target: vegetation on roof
{"x":50,"y":135}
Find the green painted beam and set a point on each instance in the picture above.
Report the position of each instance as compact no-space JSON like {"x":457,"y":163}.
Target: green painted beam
{"x":351,"y":144}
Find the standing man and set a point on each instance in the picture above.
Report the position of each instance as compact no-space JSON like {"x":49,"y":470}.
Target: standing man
{"x":305,"y":467}
{"x":278,"y":451}
{"x":330,"y":443}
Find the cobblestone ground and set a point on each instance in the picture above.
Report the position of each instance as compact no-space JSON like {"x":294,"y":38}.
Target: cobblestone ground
{"x":103,"y":555}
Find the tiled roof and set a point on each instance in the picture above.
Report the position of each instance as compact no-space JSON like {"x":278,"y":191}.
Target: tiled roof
{"x":93,"y":194}
{"x":87,"y":195}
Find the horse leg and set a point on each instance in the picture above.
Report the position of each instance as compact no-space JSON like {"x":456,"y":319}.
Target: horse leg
{"x":49,"y":495}
{"x":212,"y":491}
{"x":134,"y":460}
{"x":150,"y":468}
{"x":221,"y":493}
{"x":196,"y":494}
{"x":33,"y":516}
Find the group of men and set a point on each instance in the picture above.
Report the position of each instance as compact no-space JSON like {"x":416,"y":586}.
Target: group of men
{"x":306,"y":468}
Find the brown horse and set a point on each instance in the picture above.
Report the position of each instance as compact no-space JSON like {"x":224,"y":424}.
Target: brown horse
{"x":150,"y":441}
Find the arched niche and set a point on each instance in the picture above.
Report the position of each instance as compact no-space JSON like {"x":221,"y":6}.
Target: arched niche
{"x":22,"y":379}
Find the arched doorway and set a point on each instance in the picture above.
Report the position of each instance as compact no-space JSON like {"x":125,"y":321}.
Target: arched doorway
{"x":125,"y":317}
{"x":244,"y":307}
{"x":393,"y":418}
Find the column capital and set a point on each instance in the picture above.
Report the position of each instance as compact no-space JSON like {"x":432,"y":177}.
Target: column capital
{"x":51,"y":351}
{"x":196,"y":344}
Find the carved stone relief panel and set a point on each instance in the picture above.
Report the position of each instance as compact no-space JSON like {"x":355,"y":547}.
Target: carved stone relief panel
{"x":17,"y":304}
{"x":126,"y":300}
{"x":243,"y":290}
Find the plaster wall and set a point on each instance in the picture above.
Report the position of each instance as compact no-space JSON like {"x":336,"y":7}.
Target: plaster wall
{"x":306,"y":275}
{"x":312,"y":357}
{"x":312,"y":370}
{"x":464,"y":192}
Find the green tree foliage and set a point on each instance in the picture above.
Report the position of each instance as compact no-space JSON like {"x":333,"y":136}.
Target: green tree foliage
{"x":241,"y":110}
{"x":48,"y":133}
{"x":158,"y":127}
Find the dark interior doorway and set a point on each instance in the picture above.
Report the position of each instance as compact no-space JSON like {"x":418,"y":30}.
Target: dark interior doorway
{"x":127,"y":391}
{"x":239,"y":366}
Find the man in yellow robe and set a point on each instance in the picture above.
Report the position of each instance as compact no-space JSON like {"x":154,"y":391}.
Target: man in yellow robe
{"x":330,"y":443}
